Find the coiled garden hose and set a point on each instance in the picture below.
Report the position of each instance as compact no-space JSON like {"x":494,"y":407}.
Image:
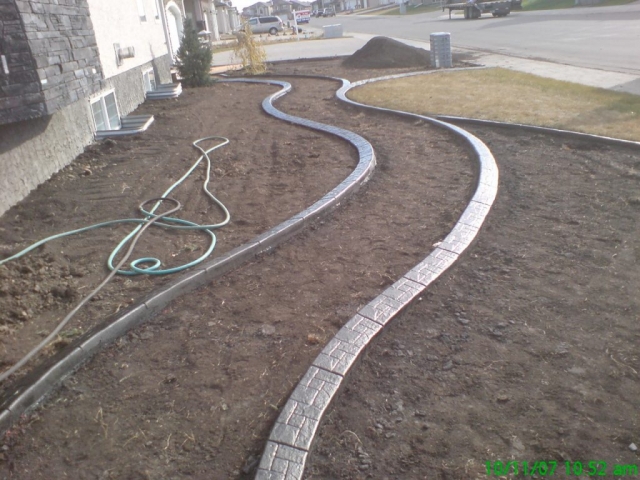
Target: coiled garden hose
{"x":168,"y":222}
{"x":111,"y":274}
{"x":151,"y":218}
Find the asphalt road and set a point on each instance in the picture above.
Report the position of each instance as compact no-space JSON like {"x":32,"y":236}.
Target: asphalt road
{"x":606,"y":38}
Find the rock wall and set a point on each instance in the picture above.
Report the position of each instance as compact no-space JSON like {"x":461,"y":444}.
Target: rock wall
{"x":33,"y":150}
{"x":21,"y":95}
{"x":51,"y":57}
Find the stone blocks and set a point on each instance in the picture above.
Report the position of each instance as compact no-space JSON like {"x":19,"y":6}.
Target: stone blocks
{"x":299,"y":419}
{"x":301,"y":415}
{"x":41,"y":38}
{"x":281,"y":462}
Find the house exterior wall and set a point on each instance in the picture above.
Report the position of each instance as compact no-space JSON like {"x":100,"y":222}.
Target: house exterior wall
{"x":129,"y":86}
{"x":51,"y":55}
{"x":118,"y":21}
{"x":222,"y":18}
{"x":21,"y":94}
{"x":32,"y":150}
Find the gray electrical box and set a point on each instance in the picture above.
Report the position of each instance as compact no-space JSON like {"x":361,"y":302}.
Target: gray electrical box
{"x":333,"y":31}
{"x":441,"y":50}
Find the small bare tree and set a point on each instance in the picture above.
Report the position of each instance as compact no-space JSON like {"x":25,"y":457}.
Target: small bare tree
{"x":250,"y":52}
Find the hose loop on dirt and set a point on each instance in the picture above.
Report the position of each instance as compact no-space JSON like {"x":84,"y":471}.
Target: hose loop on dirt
{"x":137,"y":266}
{"x":150,"y":217}
{"x":112,"y":273}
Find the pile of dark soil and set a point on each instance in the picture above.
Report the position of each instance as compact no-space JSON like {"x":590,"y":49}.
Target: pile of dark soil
{"x":384,"y":52}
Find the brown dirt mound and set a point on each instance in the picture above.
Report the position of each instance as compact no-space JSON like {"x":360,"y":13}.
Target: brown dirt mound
{"x":384,"y":52}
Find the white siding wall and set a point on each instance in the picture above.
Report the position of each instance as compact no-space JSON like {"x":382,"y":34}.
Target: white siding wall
{"x":118,"y":21}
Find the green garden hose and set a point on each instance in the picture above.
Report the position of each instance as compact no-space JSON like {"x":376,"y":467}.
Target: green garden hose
{"x":151,"y":218}
{"x":154,"y":264}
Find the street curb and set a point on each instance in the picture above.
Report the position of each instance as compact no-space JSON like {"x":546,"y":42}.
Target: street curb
{"x":31,"y":390}
{"x":292,"y":435}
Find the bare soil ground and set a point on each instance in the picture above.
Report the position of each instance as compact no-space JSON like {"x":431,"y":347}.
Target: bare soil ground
{"x":525,"y":350}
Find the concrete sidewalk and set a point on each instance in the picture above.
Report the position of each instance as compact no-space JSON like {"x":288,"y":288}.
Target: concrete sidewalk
{"x":347,"y":45}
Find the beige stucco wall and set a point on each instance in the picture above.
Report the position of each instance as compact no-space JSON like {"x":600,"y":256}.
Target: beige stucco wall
{"x":118,"y":21}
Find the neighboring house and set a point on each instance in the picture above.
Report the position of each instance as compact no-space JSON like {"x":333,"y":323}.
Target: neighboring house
{"x":68,"y":69}
{"x":378,"y":3}
{"x":285,"y":8}
{"x":202,"y":14}
{"x":226,"y":16}
{"x":295,"y":5}
{"x":259,"y":9}
{"x":282,"y":8}
{"x":337,"y":5}
{"x":346,"y":5}
{"x":175,"y":15}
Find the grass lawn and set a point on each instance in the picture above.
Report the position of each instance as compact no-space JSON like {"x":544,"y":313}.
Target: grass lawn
{"x":505,"y":95}
{"x":529,"y":5}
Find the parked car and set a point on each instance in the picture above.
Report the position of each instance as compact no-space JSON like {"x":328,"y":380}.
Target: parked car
{"x":271,"y":25}
{"x":328,"y":12}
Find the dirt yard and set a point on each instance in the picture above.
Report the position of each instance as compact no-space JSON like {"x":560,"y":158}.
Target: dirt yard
{"x":525,"y":350}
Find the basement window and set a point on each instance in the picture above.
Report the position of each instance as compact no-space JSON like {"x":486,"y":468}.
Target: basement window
{"x":105,"y":112}
{"x":149,"y":80}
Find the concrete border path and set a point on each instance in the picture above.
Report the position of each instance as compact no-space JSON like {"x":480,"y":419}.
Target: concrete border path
{"x":290,"y":440}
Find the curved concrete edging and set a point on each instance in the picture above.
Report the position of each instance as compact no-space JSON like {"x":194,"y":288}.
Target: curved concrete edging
{"x":290,"y":440}
{"x":32,"y":389}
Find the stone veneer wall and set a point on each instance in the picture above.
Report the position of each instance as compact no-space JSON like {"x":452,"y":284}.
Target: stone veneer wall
{"x":21,"y":95}
{"x":52,"y":55}
{"x":33,"y":150}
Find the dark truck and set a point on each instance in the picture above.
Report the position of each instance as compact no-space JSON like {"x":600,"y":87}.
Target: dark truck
{"x":474,"y":8}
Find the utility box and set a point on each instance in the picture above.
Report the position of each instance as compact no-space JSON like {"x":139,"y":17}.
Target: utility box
{"x":333,"y":31}
{"x":441,"y":50}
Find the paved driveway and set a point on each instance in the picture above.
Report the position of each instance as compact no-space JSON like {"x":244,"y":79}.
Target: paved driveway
{"x":606,"y":38}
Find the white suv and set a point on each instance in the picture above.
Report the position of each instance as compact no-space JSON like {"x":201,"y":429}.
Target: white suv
{"x":271,"y":25}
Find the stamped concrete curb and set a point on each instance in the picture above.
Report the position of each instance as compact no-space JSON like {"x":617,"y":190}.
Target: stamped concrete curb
{"x":32,"y":389}
{"x":290,"y":440}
